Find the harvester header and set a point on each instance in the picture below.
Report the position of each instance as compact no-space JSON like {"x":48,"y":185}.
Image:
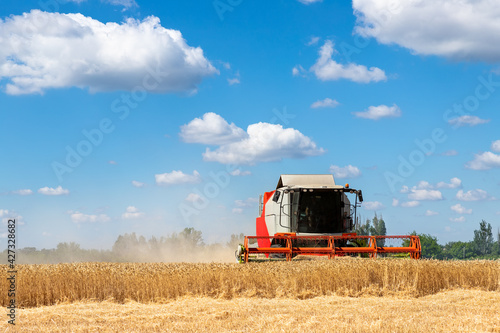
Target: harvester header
{"x":311,"y":215}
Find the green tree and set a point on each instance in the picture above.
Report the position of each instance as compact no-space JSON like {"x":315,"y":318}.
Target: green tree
{"x":363,"y":229}
{"x":235,"y":240}
{"x":191,"y":237}
{"x":378,"y":229}
{"x":430,"y":247}
{"x":483,"y":239}
{"x":459,"y":250}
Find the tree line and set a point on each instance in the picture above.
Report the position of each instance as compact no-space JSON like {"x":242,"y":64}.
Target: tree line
{"x":188,"y":245}
{"x":482,"y":246}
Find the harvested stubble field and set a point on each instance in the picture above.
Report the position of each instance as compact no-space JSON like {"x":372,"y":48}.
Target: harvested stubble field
{"x":342,"y":295}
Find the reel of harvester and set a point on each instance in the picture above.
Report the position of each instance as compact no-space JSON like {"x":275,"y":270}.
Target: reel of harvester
{"x":288,"y":246}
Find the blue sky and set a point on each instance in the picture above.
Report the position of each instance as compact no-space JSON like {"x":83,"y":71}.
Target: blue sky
{"x":120,"y":116}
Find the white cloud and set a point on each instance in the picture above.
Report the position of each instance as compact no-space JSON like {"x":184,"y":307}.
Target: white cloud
{"x":237,"y":210}
{"x":212,"y":129}
{"x":326,"y":103}
{"x":495,"y":146}
{"x":395,"y":202}
{"x":348,"y":171}
{"x":446,"y":28}
{"x":326,"y":69}
{"x":423,"y":185}
{"x":124,"y":3}
{"x":308,"y":2}
{"x":454,"y":183}
{"x":23,"y":192}
{"x":484,"y":161}
{"x":132,"y":213}
{"x":378,"y":112}
{"x":239,"y":172}
{"x":112,"y":162}
{"x":177,"y":177}
{"x":313,"y":41}
{"x":137,"y":183}
{"x":53,"y":191}
{"x":467,"y":121}
{"x":193,"y":197}
{"x":52,"y":50}
{"x":430,"y":213}
{"x":473,"y":195}
{"x":416,"y":194}
{"x":6,"y":215}
{"x":410,"y":204}
{"x":78,"y":217}
{"x":265,"y":143}
{"x":457,"y":219}
{"x":250,"y":202}
{"x":372,"y":205}
{"x":299,"y":71}
{"x":233,"y":81}
{"x":458,"y":208}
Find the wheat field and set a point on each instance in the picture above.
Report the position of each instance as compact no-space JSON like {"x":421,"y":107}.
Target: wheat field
{"x":341,"y":295}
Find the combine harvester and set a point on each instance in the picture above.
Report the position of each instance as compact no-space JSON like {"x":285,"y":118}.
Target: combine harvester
{"x":310,"y":215}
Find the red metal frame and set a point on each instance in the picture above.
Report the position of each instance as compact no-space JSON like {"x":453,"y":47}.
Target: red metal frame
{"x":335,"y":245}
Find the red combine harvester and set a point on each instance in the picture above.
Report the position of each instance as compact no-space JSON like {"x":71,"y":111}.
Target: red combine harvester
{"x":311,"y":215}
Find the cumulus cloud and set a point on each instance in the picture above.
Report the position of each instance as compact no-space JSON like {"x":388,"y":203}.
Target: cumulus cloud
{"x":177,"y":177}
{"x":137,"y":183}
{"x":348,"y":171}
{"x":193,"y":197}
{"x":420,"y":195}
{"x":78,"y":217}
{"x":457,"y":219}
{"x":327,"y":69}
{"x":326,"y":103}
{"x":211,"y":129}
{"x":239,"y":172}
{"x":378,"y":112}
{"x":44,"y":50}
{"x":458,"y":208}
{"x":6,"y":215}
{"x":132,"y":213}
{"x":473,"y":195}
{"x":372,"y":205}
{"x":495,"y":146}
{"x":454,"y":183}
{"x":447,"y":28}
{"x":23,"y":192}
{"x":430,"y":213}
{"x":410,"y":204}
{"x":484,"y":161}
{"x":263,"y":142}
{"x":467,"y":121}
{"x":53,"y":191}
{"x":250,"y":202}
